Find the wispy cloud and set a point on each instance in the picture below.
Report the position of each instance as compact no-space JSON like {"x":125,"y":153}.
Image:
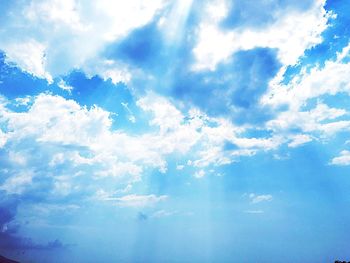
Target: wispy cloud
{"x":254,"y":211}
{"x":134,"y":200}
{"x":342,"y":159}
{"x":255,"y":199}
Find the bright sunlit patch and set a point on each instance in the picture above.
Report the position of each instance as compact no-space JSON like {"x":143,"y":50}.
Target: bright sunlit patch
{"x":173,"y":23}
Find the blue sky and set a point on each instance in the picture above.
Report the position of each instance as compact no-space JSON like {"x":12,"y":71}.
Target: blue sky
{"x":174,"y":131}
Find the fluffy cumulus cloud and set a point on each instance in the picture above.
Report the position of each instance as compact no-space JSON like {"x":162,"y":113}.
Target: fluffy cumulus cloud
{"x":342,"y":159}
{"x":49,"y":38}
{"x":304,"y":97}
{"x":277,"y":34}
{"x":72,"y":140}
{"x":289,"y":27}
{"x":79,"y":143}
{"x":332,"y":78}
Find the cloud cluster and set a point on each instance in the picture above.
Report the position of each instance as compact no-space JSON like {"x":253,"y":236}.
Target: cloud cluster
{"x":80,"y":149}
{"x":50,"y":38}
{"x":303,"y":97}
{"x":289,"y":27}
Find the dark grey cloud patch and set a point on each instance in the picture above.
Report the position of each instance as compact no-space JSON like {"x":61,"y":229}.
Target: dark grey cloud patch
{"x":142,"y":216}
{"x":9,"y":228}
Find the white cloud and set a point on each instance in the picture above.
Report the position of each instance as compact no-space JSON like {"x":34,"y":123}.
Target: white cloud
{"x":331,"y":79}
{"x":254,"y":211}
{"x":321,"y":119}
{"x":63,"y":85}
{"x":80,"y":141}
{"x":343,"y":159}
{"x":108,"y":70}
{"x":162,"y":213}
{"x":49,"y":208}
{"x":125,"y":189}
{"x":255,"y":199}
{"x":180,"y":132}
{"x":63,"y":186}
{"x":180,"y":167}
{"x":30,"y":56}
{"x":48,"y":38}
{"x":292,"y":33}
{"x":24,"y":101}
{"x":55,"y":119}
{"x":63,"y":134}
{"x":258,"y":143}
{"x":199,"y":174}
{"x":120,"y":168}
{"x":17,"y":157}
{"x":166,"y":116}
{"x":138,"y":200}
{"x":299,"y":139}
{"x":16,"y":184}
{"x":54,"y":11}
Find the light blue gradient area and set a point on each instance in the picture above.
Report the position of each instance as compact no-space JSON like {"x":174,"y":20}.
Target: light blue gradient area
{"x":212,"y":219}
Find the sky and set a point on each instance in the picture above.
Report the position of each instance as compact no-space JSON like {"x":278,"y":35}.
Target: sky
{"x":174,"y":131}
